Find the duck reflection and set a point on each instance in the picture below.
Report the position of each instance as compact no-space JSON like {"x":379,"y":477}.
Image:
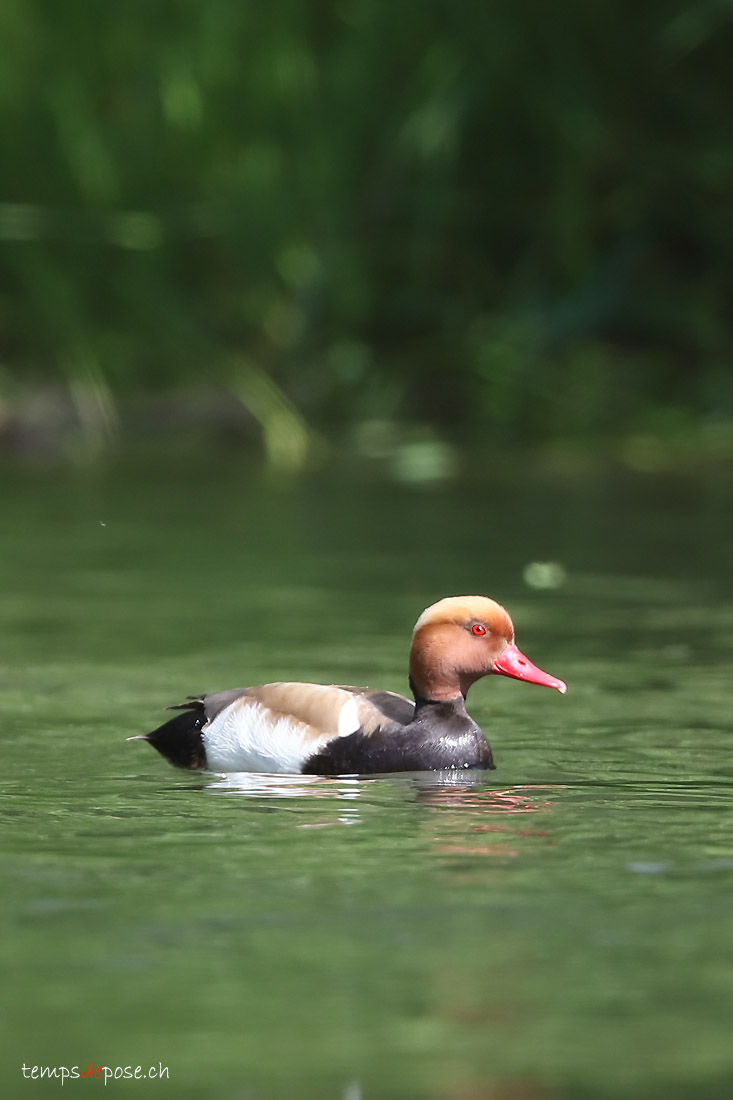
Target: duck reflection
{"x":438,"y":788}
{"x":519,"y":799}
{"x":284,"y":786}
{"x":462,"y":805}
{"x":484,"y":824}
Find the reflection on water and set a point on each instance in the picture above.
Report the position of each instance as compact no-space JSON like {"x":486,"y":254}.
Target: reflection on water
{"x":454,"y":794}
{"x":346,"y":786}
{"x":263,"y":785}
{"x":514,"y":800}
{"x":459,"y":828}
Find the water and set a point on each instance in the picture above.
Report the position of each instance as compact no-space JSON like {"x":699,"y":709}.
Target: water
{"x":560,"y":927}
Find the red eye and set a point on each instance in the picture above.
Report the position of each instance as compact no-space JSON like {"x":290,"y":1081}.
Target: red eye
{"x":478,"y":629}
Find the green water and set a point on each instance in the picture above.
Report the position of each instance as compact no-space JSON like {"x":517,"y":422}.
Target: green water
{"x":560,"y":927}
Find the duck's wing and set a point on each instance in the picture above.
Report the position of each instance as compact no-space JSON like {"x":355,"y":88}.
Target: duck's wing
{"x":278,"y":727}
{"x":376,"y":706}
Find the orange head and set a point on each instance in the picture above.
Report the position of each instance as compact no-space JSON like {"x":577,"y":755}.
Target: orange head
{"x":458,"y":640}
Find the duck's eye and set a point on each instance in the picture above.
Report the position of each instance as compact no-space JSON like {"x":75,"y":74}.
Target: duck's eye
{"x":478,"y":629}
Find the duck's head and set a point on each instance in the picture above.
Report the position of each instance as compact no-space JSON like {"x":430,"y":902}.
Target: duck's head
{"x":458,"y":640}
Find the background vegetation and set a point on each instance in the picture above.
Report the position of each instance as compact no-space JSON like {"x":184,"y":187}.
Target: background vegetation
{"x":510,"y":220}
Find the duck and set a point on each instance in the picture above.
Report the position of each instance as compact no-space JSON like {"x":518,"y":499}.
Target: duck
{"x":328,"y":729}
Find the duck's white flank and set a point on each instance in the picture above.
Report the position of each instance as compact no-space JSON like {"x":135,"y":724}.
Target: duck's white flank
{"x":249,"y":737}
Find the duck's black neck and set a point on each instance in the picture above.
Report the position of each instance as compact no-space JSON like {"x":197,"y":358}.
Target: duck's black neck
{"x":457,"y":702}
{"x":439,"y":709}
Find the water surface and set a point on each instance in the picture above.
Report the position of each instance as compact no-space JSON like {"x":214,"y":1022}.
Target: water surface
{"x":559,"y":927}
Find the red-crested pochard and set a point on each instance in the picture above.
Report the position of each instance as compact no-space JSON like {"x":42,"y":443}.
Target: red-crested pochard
{"x":320,"y":729}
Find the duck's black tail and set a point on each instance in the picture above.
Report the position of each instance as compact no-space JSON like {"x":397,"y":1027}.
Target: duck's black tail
{"x":180,"y":740}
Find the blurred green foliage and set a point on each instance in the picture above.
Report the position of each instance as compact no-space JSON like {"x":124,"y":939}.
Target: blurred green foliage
{"x":509,"y":217}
